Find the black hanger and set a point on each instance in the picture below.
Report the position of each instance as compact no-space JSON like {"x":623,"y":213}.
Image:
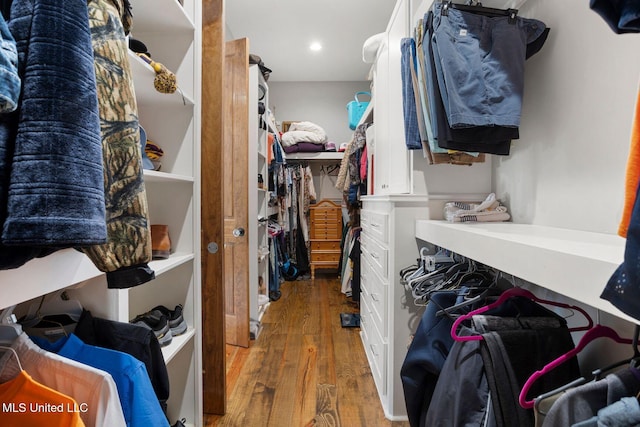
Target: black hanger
{"x":478,"y":9}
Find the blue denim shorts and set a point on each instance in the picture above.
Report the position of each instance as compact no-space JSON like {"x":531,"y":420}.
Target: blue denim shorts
{"x":480,"y":66}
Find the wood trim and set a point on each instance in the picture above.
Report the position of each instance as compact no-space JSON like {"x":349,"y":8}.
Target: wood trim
{"x":213,"y":318}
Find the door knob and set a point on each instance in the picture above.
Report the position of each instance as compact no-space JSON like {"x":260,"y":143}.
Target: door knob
{"x":238,"y":232}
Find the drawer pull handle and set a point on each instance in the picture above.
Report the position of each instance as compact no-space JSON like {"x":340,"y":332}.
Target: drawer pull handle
{"x":376,"y":225}
{"x":375,"y":297}
{"x":374,"y":255}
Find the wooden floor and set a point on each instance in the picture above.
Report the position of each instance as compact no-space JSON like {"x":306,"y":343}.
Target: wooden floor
{"x":304,"y":369}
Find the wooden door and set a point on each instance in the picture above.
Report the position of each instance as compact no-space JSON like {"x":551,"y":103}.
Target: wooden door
{"x":213,"y":315}
{"x":235,"y":188}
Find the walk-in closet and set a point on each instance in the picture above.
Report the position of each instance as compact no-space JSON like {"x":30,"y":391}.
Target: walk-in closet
{"x":409,"y":213}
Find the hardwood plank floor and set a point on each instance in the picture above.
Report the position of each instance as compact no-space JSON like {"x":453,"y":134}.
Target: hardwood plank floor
{"x":305,"y":369}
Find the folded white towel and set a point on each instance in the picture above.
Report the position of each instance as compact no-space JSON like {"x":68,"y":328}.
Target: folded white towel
{"x":489,"y":210}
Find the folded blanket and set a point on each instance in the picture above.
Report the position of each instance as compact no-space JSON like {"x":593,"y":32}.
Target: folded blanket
{"x":51,"y":177}
{"x":304,"y":132}
{"x":304,"y":147}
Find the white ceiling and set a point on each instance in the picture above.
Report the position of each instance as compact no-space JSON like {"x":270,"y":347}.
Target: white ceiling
{"x":280,"y":32}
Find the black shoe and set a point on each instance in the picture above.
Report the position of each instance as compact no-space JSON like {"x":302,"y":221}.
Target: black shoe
{"x":158,"y":324}
{"x":177,"y":324}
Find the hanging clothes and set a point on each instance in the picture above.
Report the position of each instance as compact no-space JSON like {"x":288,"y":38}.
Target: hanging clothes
{"x":10,"y":83}
{"x":481,"y":380}
{"x":470,"y":47}
{"x":135,"y":340}
{"x":126,"y":254}
{"x":632,"y":174}
{"x":50,"y":150}
{"x":622,"y":16}
{"x":581,"y":404}
{"x":91,"y":387}
{"x":35,"y":405}
{"x":139,"y":404}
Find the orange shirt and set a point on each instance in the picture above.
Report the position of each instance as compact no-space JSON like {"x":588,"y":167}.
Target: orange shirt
{"x":632,"y":173}
{"x":27,"y":403}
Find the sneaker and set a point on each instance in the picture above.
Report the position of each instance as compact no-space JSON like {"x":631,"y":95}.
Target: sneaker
{"x":158,"y":324}
{"x":177,"y":324}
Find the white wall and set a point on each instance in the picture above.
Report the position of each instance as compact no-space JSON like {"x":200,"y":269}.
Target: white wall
{"x":567,"y":169}
{"x":323,"y":103}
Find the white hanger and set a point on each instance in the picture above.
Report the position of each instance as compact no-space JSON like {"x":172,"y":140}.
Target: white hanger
{"x":15,"y":354}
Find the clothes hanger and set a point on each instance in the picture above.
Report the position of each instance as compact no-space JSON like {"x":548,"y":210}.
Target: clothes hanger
{"x":496,"y":287}
{"x":478,"y":9}
{"x":9,"y":329}
{"x":15,"y":355}
{"x":598,"y":331}
{"x":53,"y":307}
{"x":510,"y":293}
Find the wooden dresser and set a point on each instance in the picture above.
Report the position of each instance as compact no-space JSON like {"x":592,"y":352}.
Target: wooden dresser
{"x":325,"y":233}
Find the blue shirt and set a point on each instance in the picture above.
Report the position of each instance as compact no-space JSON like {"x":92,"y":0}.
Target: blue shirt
{"x":139,"y":402}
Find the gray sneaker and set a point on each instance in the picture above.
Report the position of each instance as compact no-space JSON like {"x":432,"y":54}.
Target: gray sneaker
{"x":158,"y":324}
{"x":177,"y":324}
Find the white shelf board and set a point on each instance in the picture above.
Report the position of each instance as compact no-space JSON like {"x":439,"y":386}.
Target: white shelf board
{"x":175,"y":259}
{"x":573,"y":263}
{"x":177,"y":343}
{"x":156,"y":176}
{"x":320,"y":155}
{"x":62,"y":269}
{"x":41,"y":276}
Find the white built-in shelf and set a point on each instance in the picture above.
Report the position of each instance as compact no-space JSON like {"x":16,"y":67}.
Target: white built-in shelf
{"x":162,"y":265}
{"x":177,"y":343}
{"x":60,"y":270}
{"x":320,"y":155}
{"x":156,"y":176}
{"x":576,"y":264}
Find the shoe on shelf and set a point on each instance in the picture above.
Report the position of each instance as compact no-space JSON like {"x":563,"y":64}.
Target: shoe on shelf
{"x":160,"y":241}
{"x":177,"y":324}
{"x":158,"y":324}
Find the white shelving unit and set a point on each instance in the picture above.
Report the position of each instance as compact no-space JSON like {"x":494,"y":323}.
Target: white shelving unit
{"x":172,"y":34}
{"x":576,"y":264}
{"x":258,"y":196}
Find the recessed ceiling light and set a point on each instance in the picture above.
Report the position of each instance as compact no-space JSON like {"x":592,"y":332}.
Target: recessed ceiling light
{"x":315,"y":46}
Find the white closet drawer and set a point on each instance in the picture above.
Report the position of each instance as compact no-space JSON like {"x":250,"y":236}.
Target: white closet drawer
{"x":376,"y":254}
{"x":375,"y":348}
{"x":375,"y":291}
{"x":376,"y":224}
